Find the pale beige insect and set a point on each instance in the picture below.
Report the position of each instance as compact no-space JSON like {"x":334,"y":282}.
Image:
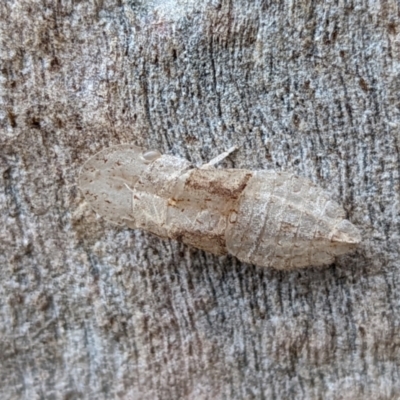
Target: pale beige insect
{"x":265,"y":218}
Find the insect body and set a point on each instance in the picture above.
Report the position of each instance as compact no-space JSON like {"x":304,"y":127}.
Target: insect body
{"x":262,"y":217}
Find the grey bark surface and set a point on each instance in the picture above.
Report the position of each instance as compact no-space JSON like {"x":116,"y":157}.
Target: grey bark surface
{"x":89,"y":310}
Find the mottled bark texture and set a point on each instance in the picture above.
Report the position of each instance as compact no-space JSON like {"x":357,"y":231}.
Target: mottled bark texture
{"x":93,"y":311}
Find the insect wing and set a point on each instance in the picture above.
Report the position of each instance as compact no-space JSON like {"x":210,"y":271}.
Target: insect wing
{"x":106,"y":180}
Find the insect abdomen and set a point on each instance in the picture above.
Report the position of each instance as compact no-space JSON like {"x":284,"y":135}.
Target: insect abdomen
{"x":286,"y":222}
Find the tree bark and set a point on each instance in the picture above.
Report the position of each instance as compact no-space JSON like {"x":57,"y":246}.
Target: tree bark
{"x":89,"y":310}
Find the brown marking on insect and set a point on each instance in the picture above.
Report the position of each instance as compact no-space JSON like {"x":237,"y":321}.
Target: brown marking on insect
{"x":225,"y":183}
{"x":175,"y":202}
{"x":172,"y":202}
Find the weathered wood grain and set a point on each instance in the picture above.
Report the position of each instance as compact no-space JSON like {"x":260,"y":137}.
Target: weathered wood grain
{"x":88,"y":310}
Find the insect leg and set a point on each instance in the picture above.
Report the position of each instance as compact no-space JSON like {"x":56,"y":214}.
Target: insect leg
{"x":127,"y":186}
{"x":219,"y":158}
